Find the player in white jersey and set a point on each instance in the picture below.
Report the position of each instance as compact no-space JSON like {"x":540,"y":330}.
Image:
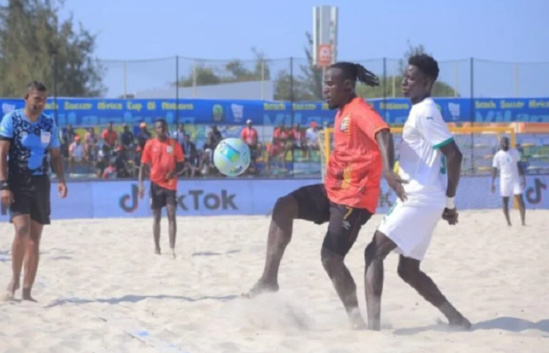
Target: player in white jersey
{"x":511,"y":178}
{"x":430,"y":161}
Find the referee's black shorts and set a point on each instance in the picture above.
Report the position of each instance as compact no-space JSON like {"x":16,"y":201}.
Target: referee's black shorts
{"x":31,"y":195}
{"x":344,"y":222}
{"x":161,"y":197}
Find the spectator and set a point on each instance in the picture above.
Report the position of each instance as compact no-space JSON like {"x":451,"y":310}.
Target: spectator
{"x":179,"y":134}
{"x":250,"y":137}
{"x":127,"y":138}
{"x":191,"y":165}
{"x":143,"y":136}
{"x":110,"y":171}
{"x":109,"y":136}
{"x":311,"y":137}
{"x":278,"y":147}
{"x":207,"y":155}
{"x":67,"y":139}
{"x":91,"y":141}
{"x":217,"y":137}
{"x":76,"y":153}
{"x":298,"y":140}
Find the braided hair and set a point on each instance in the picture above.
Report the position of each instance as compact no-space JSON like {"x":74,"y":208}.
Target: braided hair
{"x":356,"y":72}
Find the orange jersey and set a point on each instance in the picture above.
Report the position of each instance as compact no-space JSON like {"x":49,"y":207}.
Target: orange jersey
{"x":355,"y":166}
{"x":163,"y":157}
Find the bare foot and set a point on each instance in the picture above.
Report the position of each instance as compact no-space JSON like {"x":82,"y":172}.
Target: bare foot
{"x":27,"y":295}
{"x":157,"y":251}
{"x":173,"y":253}
{"x":357,"y":323}
{"x":261,"y":287}
{"x":11,"y":289}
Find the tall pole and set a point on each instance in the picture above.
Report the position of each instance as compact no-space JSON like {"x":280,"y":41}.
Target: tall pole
{"x":177,"y":89}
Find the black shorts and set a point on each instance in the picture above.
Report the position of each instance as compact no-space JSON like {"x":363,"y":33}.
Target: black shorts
{"x":31,"y":196}
{"x":344,"y":222}
{"x":160,"y":197}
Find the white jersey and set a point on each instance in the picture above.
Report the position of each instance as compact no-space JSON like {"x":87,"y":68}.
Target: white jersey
{"x":421,"y":162}
{"x":507,"y":163}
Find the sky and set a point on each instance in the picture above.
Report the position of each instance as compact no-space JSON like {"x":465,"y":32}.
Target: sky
{"x":497,"y":32}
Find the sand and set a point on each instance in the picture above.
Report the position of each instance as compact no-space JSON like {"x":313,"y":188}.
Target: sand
{"x":101,"y":288}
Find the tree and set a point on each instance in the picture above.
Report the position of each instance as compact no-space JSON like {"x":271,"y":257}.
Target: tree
{"x":233,"y":71}
{"x":31,"y":35}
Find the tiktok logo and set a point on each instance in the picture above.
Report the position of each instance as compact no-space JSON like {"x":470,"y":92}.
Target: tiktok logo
{"x":534,"y":194}
{"x":129,"y":203}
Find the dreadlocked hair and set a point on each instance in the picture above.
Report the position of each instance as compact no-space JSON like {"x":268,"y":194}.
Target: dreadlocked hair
{"x":356,"y":72}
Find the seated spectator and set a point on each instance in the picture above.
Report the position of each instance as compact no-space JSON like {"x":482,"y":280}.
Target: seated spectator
{"x":110,"y":171}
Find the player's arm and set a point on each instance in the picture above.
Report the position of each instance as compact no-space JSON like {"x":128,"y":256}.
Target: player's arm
{"x":6,"y":136}
{"x":494,"y":173}
{"x":521,"y":170}
{"x":454,"y":158}
{"x":376,"y":129}
{"x":145,"y":161}
{"x":57,"y":162}
{"x":435,"y":131}
{"x":179,"y":159}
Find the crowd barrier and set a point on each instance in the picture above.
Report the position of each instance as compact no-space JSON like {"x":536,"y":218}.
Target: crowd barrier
{"x":83,"y":112}
{"x":119,"y":199}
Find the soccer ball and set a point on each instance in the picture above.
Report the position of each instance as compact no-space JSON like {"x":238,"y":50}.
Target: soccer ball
{"x":232,"y":157}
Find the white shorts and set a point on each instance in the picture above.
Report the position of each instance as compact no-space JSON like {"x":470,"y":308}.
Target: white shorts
{"x":508,"y":188}
{"x":410,"y":226}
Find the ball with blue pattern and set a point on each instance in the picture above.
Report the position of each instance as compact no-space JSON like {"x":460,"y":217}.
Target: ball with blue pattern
{"x":232,"y":157}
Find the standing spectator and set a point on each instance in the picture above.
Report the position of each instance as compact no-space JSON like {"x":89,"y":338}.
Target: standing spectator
{"x":143,"y":136}
{"x":298,"y":140}
{"x":250,"y":137}
{"x":91,"y":141}
{"x":191,"y":163}
{"x":216,"y":135}
{"x":179,"y":134}
{"x":76,"y":153}
{"x":109,"y":136}
{"x":311,"y":137}
{"x":67,"y":138}
{"x":127,"y":138}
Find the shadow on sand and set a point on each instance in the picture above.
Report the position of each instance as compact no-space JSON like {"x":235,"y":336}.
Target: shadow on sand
{"x":505,"y":323}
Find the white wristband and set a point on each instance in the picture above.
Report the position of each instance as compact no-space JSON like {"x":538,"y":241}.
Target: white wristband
{"x":450,"y":204}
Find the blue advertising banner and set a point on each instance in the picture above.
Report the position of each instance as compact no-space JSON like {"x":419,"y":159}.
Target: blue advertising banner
{"x":119,"y":199}
{"x":82,"y":112}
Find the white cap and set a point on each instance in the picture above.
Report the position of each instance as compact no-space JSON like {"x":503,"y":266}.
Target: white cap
{"x":249,"y":121}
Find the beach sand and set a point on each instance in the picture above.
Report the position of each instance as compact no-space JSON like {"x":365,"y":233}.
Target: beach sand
{"x":101,"y":288}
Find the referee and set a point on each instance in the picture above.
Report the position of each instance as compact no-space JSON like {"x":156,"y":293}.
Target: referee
{"x":27,"y":137}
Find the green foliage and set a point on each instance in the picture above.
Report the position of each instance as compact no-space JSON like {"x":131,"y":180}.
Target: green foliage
{"x":30,"y":34}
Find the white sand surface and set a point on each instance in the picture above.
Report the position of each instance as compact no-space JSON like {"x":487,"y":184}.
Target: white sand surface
{"x":100,"y":288}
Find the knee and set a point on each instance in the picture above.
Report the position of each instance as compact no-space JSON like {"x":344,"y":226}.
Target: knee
{"x":22,"y":231}
{"x":408,"y":275}
{"x":372,"y":253}
{"x":330,"y":260}
{"x":285,"y":207}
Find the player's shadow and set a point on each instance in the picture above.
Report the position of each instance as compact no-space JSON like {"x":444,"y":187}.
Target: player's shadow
{"x":135,"y":299}
{"x":505,"y":323}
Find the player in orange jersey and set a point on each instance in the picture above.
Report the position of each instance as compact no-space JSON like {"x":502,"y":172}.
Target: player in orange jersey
{"x":165,"y":157}
{"x":363,"y":152}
